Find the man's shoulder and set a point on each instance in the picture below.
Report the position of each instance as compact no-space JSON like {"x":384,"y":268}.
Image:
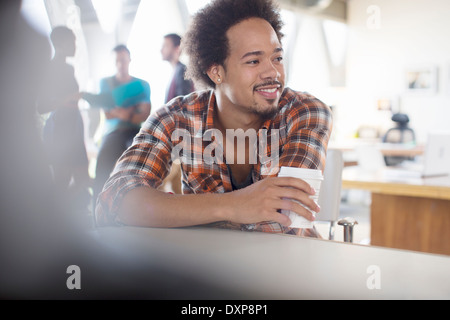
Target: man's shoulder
{"x":109,"y":78}
{"x":295,"y":104}
{"x":295,"y":101}
{"x":291,"y":97}
{"x":108,"y":81}
{"x":181,"y":65}
{"x":144,"y":82}
{"x":60,"y":69}
{"x":183,"y":110}
{"x":195,"y":102}
{"x":180,"y":72}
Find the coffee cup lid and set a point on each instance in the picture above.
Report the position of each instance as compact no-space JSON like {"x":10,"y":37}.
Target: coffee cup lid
{"x":303,"y":173}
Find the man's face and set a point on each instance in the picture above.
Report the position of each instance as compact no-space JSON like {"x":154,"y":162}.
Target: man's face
{"x":254,"y":70}
{"x":123,"y":60}
{"x":167,"y":50}
{"x":71,"y":46}
{"x":68,"y":46}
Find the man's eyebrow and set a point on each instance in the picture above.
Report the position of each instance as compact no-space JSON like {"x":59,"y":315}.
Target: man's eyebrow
{"x":278,"y":50}
{"x":260,"y":53}
{"x":253,"y":53}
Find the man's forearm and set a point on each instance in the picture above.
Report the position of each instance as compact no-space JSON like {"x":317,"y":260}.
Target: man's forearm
{"x":259,"y":202}
{"x":144,"y":110}
{"x":148,"y":207}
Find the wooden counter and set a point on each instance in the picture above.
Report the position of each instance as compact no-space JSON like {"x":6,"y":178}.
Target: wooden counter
{"x":406,"y":212}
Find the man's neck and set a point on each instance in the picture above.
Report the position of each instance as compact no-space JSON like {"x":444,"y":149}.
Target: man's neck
{"x":230,"y":116}
{"x":123,"y":77}
{"x":174,"y":63}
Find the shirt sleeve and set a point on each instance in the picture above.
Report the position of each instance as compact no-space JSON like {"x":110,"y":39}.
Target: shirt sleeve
{"x":145,"y":164}
{"x":309,"y":124}
{"x":104,"y":86}
{"x":146,"y":94}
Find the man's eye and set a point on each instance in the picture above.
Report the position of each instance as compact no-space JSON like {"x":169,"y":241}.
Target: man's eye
{"x":279,"y":59}
{"x":253,"y":62}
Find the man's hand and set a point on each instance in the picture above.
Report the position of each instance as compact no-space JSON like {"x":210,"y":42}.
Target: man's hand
{"x":261,"y":201}
{"x":123,"y":114}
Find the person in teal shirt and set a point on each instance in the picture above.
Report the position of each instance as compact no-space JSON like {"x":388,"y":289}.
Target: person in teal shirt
{"x":126,"y":102}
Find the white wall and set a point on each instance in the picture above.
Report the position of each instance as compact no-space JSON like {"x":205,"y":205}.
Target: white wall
{"x":409,"y":32}
{"x":145,"y":42}
{"x":309,"y":69}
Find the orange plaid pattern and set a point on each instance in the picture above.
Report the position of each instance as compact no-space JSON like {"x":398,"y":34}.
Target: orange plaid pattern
{"x":303,"y":127}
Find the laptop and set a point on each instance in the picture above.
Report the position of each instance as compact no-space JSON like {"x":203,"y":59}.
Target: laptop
{"x":436,"y":160}
{"x":437,"y":155}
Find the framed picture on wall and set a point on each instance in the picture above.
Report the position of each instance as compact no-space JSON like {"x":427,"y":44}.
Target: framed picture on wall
{"x":421,"y":79}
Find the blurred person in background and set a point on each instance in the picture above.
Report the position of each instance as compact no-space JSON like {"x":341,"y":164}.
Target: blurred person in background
{"x":64,"y":129}
{"x":122,"y":122}
{"x":179,"y":85}
{"x":33,"y":228}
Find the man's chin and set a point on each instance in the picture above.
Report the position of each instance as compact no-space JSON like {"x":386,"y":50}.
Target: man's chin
{"x":266,"y":112}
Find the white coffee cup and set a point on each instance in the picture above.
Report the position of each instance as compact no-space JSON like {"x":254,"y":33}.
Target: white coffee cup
{"x":314,"y":178}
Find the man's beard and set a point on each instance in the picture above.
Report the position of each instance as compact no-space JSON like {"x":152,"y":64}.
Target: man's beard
{"x":265,"y":113}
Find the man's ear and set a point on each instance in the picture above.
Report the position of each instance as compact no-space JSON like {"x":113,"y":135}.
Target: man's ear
{"x":214,"y":73}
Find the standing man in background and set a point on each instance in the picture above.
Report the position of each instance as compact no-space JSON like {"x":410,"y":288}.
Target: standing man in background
{"x":122,"y":122}
{"x":171,"y":51}
{"x":178,"y":86}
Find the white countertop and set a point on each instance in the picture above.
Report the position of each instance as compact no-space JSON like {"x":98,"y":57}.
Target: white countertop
{"x":207,"y":263}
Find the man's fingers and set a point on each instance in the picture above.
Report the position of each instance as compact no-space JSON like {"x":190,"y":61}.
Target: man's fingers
{"x":296,"y":183}
{"x":281,"y":219}
{"x":289,"y":205}
{"x":300,"y":196}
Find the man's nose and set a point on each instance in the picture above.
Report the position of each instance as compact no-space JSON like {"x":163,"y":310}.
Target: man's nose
{"x":270,"y":71}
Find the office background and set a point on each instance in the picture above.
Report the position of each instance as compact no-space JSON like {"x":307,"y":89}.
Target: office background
{"x":355,"y":55}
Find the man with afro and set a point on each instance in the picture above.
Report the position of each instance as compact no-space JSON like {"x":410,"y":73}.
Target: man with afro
{"x":235,"y":54}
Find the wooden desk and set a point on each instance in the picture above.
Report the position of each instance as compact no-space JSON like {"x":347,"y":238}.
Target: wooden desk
{"x":400,"y":150}
{"x":230,"y":264}
{"x":406,"y":213}
{"x":387,"y":149}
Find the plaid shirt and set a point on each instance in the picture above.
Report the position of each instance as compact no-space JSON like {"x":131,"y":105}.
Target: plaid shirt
{"x":303,"y":128}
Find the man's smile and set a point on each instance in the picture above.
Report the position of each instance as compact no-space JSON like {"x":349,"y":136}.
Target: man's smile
{"x":269,"y":90}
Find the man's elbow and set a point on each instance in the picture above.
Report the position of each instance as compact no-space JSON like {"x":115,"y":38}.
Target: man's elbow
{"x":137,"y":208}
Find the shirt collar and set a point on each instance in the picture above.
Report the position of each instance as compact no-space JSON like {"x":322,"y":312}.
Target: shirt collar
{"x":211,"y":111}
